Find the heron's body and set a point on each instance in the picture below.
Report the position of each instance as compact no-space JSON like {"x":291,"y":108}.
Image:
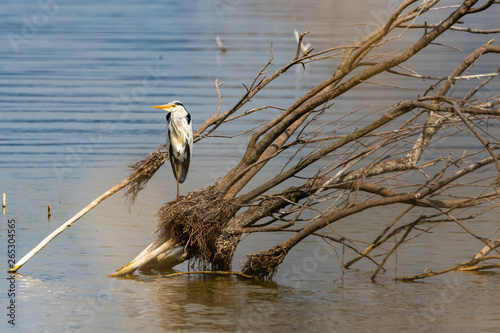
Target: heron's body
{"x":179,"y":139}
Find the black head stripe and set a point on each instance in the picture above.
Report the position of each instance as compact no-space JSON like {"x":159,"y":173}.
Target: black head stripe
{"x":178,"y":103}
{"x":188,"y":118}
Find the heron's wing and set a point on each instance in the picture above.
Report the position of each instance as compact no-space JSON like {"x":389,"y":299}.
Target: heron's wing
{"x":184,"y":165}
{"x":168,"y":131}
{"x":173,"y":160}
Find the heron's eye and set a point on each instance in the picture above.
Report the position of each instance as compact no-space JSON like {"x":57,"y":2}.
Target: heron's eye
{"x":188,"y":118}
{"x":168,"y":117}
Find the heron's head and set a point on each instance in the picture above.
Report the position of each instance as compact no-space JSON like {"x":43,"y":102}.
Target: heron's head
{"x":171,"y":107}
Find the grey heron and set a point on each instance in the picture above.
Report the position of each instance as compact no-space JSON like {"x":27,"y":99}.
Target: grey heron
{"x":179,"y":139}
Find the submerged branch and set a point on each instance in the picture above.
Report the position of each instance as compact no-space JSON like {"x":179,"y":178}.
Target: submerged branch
{"x":470,"y":265}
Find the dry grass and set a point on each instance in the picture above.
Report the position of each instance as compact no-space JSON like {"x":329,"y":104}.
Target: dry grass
{"x":264,"y":264}
{"x":196,"y":221}
{"x":141,"y":172}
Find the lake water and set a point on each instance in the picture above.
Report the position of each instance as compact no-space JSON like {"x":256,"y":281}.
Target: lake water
{"x":77,"y":83}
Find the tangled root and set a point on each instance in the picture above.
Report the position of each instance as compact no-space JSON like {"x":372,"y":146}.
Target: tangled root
{"x":264,"y":264}
{"x":142,"y":171}
{"x":226,"y":245}
{"x":196,"y":221}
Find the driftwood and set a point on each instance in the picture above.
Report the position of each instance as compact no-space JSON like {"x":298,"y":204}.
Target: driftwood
{"x":387,"y":161}
{"x":271,"y":139}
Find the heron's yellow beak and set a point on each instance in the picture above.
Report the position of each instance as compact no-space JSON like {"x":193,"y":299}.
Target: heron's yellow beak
{"x":165,"y":107}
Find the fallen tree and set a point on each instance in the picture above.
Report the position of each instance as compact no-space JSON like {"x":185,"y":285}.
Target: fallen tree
{"x":363,"y":168}
{"x":388,"y":161}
